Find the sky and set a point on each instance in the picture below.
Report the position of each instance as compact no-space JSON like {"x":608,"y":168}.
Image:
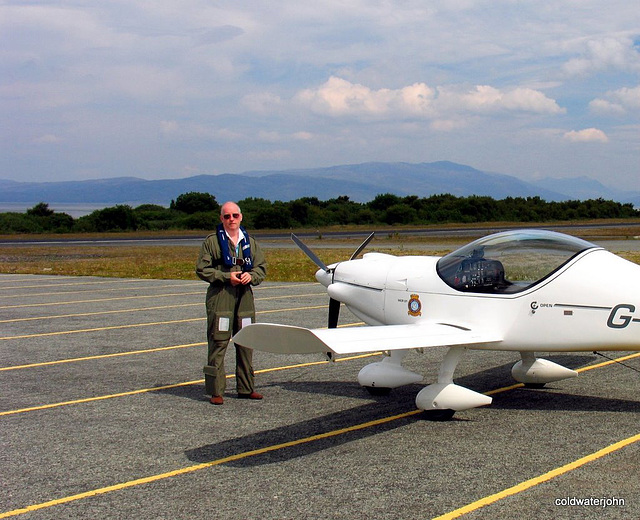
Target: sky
{"x":161,"y":89}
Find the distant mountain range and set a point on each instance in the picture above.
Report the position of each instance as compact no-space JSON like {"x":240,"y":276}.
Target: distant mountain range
{"x":361,"y":182}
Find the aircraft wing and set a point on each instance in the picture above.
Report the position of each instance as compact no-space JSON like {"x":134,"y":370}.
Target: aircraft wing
{"x":287,"y":339}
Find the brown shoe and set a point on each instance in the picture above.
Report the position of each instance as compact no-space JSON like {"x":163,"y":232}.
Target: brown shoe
{"x":216,"y":399}
{"x":252,"y":395}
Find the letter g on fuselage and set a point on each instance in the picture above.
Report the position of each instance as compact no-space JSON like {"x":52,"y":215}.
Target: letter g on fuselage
{"x":619,"y":320}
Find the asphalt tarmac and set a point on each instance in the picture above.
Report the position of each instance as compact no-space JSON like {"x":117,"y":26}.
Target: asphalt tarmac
{"x":103,"y":415}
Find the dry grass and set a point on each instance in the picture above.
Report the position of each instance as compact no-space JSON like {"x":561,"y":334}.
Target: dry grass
{"x":284,"y":264}
{"x":156,"y":262}
{"x":126,"y":261}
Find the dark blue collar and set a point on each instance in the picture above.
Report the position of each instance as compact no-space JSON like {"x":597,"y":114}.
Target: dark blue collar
{"x":230,"y":259}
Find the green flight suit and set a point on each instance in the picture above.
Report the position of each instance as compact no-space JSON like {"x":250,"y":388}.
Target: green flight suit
{"x":228,"y":308}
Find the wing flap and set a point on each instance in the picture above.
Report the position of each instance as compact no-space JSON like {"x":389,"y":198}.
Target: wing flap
{"x":287,"y":339}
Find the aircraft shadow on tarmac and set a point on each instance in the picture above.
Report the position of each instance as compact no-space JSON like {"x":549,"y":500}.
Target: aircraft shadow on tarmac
{"x":301,"y":430}
{"x":400,"y":401}
{"x":525,"y":400}
{"x":548,"y":399}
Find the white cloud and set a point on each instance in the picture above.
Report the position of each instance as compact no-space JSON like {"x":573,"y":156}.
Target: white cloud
{"x":602,"y":106}
{"x":484,"y":99}
{"x":339,"y":97}
{"x":619,"y":102}
{"x":605,"y":53}
{"x":588,"y":135}
{"x":628,"y":97}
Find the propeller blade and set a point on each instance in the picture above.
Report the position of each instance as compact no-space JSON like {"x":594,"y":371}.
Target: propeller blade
{"x":334,"y":313}
{"x":309,"y":253}
{"x":362,"y":246}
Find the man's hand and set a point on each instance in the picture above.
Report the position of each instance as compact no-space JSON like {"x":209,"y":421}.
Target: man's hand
{"x":240,"y":278}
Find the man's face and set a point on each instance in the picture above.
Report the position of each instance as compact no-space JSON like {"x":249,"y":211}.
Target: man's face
{"x":231,"y":218}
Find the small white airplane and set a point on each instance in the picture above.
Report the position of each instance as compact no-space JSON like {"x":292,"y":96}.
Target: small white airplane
{"x":523,"y":290}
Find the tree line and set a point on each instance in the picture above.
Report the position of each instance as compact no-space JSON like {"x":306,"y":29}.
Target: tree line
{"x":199,"y":211}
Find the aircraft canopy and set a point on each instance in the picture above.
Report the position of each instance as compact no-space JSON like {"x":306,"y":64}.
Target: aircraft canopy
{"x":509,"y":262}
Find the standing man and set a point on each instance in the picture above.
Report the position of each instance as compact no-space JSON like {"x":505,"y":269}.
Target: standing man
{"x":231,"y":261}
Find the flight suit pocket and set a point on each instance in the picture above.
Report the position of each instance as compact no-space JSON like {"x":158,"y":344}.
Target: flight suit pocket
{"x":245,"y":318}
{"x":222,"y":326}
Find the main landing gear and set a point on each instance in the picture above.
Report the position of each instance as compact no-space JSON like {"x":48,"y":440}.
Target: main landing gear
{"x":441,"y":400}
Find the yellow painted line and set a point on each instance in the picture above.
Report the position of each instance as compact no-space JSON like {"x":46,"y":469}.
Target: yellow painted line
{"x":146,"y":287}
{"x":134,"y":325}
{"x":82,"y":314}
{"x":165,"y":387}
{"x":69,"y":284}
{"x":311,"y":307}
{"x":101,"y":356}
{"x":201,"y":284}
{"x":204,"y":465}
{"x":99,"y":300}
{"x":609,"y":362}
{"x":118,"y":298}
{"x":527,"y":484}
{"x":97,"y":329}
{"x":140,"y":309}
{"x":99,"y":398}
{"x":6,"y":278}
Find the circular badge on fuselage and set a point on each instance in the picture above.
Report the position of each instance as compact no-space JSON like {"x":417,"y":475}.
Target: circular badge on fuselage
{"x":415,"y":307}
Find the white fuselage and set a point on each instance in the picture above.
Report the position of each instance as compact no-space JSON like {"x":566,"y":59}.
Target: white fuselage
{"x":591,"y":303}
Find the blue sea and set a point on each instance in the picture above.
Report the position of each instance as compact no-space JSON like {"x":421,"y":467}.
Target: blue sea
{"x":74,"y":209}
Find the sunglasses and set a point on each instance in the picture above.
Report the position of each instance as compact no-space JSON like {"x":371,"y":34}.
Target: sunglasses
{"x":229,"y":215}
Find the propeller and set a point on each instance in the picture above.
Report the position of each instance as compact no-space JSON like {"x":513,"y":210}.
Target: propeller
{"x":363,"y":245}
{"x":334,"y":305}
{"x":310,"y":253}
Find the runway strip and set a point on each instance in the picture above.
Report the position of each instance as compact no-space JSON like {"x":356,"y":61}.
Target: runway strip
{"x":483,"y":502}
